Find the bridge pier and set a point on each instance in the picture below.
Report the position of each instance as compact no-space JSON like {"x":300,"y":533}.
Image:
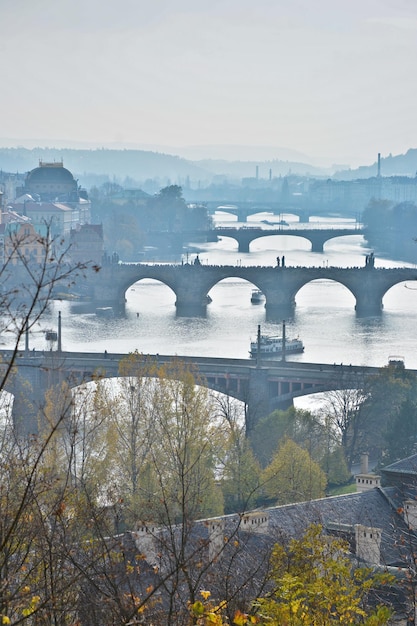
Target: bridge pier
{"x":242,"y":215}
{"x":369,"y":294}
{"x":274,"y":313}
{"x":257,"y":405}
{"x":33,"y":376}
{"x":303,"y":215}
{"x":191,"y":294}
{"x":279,"y":295}
{"x":190,"y":310}
{"x":243,"y":245}
{"x":26,"y":404}
{"x":317,"y":245}
{"x":365,"y":308}
{"x":27,"y":384}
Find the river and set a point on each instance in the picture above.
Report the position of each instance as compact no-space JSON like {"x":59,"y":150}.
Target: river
{"x":324,"y":316}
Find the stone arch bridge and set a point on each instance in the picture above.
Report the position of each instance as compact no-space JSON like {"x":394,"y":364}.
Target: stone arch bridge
{"x":316,"y":236}
{"x":263,"y":386}
{"x":192,"y":283}
{"x":298,"y":206}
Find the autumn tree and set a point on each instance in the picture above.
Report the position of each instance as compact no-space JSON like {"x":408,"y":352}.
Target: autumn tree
{"x":292,"y":476}
{"x":52,"y":532}
{"x":315,"y":583}
{"x":149,"y":453}
{"x":161,"y":443}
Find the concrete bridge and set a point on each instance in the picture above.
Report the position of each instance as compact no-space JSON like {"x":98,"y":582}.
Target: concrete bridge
{"x":263,"y":386}
{"x":192,"y":283}
{"x":316,"y":236}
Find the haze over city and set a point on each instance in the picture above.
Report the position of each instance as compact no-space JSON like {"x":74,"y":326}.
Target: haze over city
{"x":324,"y":82}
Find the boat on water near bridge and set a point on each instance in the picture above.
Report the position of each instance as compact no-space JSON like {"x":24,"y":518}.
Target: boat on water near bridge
{"x":270,"y":347}
{"x":257,"y":296}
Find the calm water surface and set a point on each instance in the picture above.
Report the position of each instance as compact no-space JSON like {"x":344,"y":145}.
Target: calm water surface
{"x":324,"y":316}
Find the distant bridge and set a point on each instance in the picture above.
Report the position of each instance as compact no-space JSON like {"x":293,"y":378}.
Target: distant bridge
{"x":192,"y":283}
{"x":263,"y":386}
{"x":296,"y":206}
{"x":316,"y":236}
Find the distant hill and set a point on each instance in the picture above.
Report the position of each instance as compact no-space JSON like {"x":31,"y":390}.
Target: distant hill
{"x":137,"y":165}
{"x":399,"y":165}
{"x":133,"y":167}
{"x":248,"y":169}
{"x":91,"y":165}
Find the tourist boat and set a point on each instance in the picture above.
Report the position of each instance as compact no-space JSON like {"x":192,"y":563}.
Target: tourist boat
{"x":257,"y":296}
{"x":270,"y":347}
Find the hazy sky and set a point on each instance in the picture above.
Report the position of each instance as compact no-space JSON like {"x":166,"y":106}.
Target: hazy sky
{"x":329,"y":78}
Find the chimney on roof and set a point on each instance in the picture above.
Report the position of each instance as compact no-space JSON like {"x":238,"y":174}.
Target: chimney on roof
{"x":216,"y":538}
{"x":368,"y":544}
{"x":364,"y":463}
{"x":366,"y":480}
{"x":410,"y":513}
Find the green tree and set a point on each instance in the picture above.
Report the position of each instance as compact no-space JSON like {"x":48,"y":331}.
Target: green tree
{"x":292,"y":476}
{"x":302,"y":427}
{"x":169,"y":208}
{"x":241,"y":474}
{"x":335,"y":466}
{"x":315,"y":584}
{"x":393,"y":391}
{"x":401,"y":433}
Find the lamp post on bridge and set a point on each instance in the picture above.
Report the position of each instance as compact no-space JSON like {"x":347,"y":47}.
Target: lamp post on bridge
{"x":27,"y":338}
{"x":59,"y":347}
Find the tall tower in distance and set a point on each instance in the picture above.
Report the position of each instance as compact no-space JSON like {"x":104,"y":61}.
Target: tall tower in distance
{"x":379,"y":165}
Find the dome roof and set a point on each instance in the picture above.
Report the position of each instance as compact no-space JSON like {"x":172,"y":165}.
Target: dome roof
{"x":50,"y":173}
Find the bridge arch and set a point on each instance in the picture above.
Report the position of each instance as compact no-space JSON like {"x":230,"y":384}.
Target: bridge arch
{"x":244,"y":235}
{"x":301,"y":242}
{"x":127,"y":287}
{"x":330,"y":241}
{"x":234,"y":282}
{"x":398,"y":294}
{"x":149,"y":293}
{"x":336,"y":290}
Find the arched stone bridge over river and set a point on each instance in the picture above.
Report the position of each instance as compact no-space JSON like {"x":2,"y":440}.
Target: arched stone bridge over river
{"x":192,"y":283}
{"x":262,"y":386}
{"x":316,"y":236}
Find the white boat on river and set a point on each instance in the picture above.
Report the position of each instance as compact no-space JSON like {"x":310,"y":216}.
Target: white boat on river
{"x":257,"y":297}
{"x":270,"y":347}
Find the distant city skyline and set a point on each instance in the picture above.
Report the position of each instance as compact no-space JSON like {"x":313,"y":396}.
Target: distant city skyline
{"x":331,"y":82}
